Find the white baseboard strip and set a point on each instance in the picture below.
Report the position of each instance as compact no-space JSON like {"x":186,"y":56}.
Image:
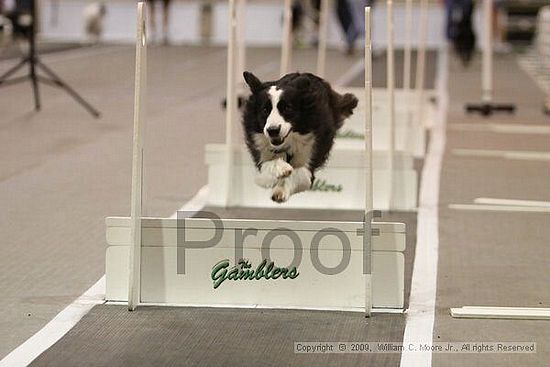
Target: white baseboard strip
{"x":504,"y":154}
{"x":516,"y":313}
{"x":499,"y":208}
{"x":501,"y":128}
{"x":513,"y":202}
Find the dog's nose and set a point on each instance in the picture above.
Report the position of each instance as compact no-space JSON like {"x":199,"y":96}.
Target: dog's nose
{"x":273,"y":131}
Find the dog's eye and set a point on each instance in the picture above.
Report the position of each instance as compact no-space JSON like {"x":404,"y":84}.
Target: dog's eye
{"x":284,"y":107}
{"x":267,"y":108}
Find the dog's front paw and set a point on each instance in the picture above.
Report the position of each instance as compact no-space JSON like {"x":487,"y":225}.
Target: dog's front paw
{"x":282,"y":169}
{"x":280,"y":194}
{"x":273,"y":171}
{"x":265,"y":181}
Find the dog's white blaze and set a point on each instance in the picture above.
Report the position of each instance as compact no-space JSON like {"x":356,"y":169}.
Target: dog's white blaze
{"x":275,"y":119}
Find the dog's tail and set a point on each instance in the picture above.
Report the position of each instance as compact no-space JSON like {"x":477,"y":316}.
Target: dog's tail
{"x":343,"y":106}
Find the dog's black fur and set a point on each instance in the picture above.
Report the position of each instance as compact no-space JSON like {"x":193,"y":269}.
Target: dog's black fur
{"x":312,"y":108}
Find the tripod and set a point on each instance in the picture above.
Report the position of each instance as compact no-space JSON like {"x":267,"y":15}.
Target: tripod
{"x":33,"y":62}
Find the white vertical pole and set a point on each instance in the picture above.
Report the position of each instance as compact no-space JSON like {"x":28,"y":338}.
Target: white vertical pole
{"x":323,"y":35}
{"x":407,"y":52}
{"x":368,"y":163}
{"x":231,"y":110}
{"x":286,"y":50}
{"x":487,"y":62}
{"x":391,"y":98}
{"x":407,"y":58}
{"x":241,"y":42}
{"x":421,"y":62}
{"x":140,"y":90}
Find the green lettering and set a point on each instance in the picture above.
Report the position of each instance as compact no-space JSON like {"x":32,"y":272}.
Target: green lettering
{"x":269,"y":268}
{"x":322,"y":185}
{"x":293,"y":273}
{"x":218,"y":272}
{"x":221,"y":272}
{"x":260,"y":270}
{"x":247,"y":274}
{"x":276,"y":273}
{"x":233,"y":274}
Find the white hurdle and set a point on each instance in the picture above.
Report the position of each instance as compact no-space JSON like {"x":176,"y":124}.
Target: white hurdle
{"x":390,"y":84}
{"x":286,"y":50}
{"x":407,"y":59}
{"x":369,"y":209}
{"x":340,"y":184}
{"x":407,"y":104}
{"x":140,"y":95}
{"x":144,"y":255}
{"x":231,"y":92}
{"x":421,"y":62}
{"x":395,"y":142}
{"x":323,"y":37}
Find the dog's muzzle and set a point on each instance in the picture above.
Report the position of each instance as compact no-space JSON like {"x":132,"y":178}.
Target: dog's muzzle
{"x":276,"y":141}
{"x":274,"y":135}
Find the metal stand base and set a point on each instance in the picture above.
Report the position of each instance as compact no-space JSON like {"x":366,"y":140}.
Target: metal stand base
{"x":487,"y":109}
{"x":52,"y":79}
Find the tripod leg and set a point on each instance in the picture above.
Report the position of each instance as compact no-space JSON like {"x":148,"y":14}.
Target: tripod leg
{"x":60,"y":83}
{"x":13,"y":70}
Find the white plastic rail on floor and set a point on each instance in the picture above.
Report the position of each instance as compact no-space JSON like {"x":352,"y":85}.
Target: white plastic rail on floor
{"x":316,"y":265}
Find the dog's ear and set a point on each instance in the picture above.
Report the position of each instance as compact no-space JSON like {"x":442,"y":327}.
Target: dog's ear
{"x":253,"y":82}
{"x":342,"y":106}
{"x":348,"y":102}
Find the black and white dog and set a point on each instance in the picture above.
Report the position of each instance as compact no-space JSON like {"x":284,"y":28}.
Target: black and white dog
{"x":289,"y":127}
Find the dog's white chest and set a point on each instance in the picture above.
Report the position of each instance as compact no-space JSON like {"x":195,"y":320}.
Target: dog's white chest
{"x":300,"y":149}
{"x":296,"y":150}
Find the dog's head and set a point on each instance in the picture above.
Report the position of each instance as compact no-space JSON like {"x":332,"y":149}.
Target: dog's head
{"x":297,"y":103}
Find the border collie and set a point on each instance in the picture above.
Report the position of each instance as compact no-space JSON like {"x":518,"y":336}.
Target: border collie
{"x":289,"y":127}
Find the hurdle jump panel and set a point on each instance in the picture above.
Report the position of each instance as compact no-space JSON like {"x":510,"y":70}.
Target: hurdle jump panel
{"x":340,"y":185}
{"x":161,"y":283}
{"x":413,"y":142}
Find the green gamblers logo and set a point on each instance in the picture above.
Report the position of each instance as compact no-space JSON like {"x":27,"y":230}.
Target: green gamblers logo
{"x":349,"y":134}
{"x":323,"y":185}
{"x":243,"y":271}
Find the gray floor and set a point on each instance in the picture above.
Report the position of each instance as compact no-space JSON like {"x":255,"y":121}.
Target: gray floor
{"x":62,"y":172}
{"x":112,"y":336}
{"x":492,"y":258}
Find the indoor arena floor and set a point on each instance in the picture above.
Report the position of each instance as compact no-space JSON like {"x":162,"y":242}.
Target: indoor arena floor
{"x":63,"y":172}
